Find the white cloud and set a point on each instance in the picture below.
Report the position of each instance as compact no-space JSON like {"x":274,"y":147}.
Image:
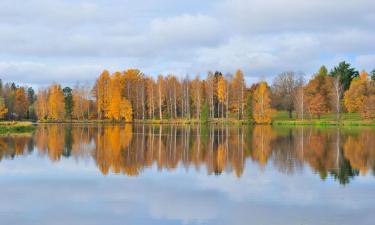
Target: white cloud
{"x":162,"y":36}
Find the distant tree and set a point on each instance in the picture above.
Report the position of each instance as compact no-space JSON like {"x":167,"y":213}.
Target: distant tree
{"x":238,"y":93}
{"x":21,"y":104}
{"x":345,"y":73}
{"x":222,"y":91}
{"x":337,"y":92}
{"x":101,"y":92}
{"x":368,"y":109}
{"x":161,"y":95}
{"x":249,"y":107}
{"x":56,"y":105}
{"x":299,"y":100}
{"x":360,"y":89}
{"x":262,"y":111}
{"x":205,"y":113}
{"x":284,"y":89}
{"x":41,"y":104}
{"x":373,"y":75}
{"x":31,"y":95}
{"x":114,"y":111}
{"x":318,"y":93}
{"x":197,"y":96}
{"x":68,"y":99}
{"x":31,"y":98}
{"x":3,"y":109}
{"x":126,"y":111}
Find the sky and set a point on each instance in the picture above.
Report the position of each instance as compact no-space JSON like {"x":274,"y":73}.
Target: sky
{"x":45,"y":41}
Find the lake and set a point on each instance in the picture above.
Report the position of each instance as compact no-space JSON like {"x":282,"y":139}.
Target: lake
{"x":153,"y":174}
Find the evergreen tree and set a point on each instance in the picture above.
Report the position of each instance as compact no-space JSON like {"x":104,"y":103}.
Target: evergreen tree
{"x":346,"y":74}
{"x":68,"y":97}
{"x":373,"y":75}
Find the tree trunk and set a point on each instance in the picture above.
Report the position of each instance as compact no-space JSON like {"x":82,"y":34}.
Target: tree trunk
{"x":160,"y":111}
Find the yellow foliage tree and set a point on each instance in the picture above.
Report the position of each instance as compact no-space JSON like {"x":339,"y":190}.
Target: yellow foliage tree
{"x":262,"y":110}
{"x":222,"y":92}
{"x":102,"y":88}
{"x":359,"y":90}
{"x":56,"y":103}
{"x":221,"y":89}
{"x":126,"y":110}
{"x":115,"y":93}
{"x":3,"y":108}
{"x":119,"y":108}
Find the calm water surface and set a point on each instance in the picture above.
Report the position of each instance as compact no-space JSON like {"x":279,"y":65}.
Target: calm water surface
{"x":89,"y":174}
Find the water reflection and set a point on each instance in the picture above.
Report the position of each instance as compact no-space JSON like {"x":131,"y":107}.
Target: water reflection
{"x":340,"y":153}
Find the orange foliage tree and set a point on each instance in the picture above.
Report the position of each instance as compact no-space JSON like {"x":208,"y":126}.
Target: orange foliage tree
{"x":3,"y":108}
{"x":20,"y":103}
{"x":318,"y":93}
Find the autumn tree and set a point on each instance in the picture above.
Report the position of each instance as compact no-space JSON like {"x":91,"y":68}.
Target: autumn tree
{"x":261,"y":105}
{"x":151,"y":96}
{"x":101,"y":90}
{"x":368,"y":109}
{"x":114,"y":111}
{"x":238,"y":94}
{"x":134,"y":91}
{"x":360,"y":89}
{"x":222,"y":92}
{"x":56,"y":104}
{"x":119,"y":108}
{"x":161,"y":95}
{"x":41,"y":104}
{"x":318,"y":92}
{"x":126,"y":111}
{"x":3,"y":108}
{"x":21,"y":103}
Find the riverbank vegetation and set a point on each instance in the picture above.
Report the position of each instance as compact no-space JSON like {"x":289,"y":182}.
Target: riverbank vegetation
{"x":131,"y":96}
{"x":16,"y":127}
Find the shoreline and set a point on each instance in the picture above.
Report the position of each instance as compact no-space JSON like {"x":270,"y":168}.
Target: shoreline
{"x":219,"y":122}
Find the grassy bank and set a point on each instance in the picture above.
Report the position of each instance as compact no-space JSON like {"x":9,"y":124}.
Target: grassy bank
{"x":280,"y":118}
{"x":16,"y":127}
{"x":346,"y":119}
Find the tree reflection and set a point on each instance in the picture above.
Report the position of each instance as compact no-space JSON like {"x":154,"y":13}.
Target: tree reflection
{"x":129,"y":149}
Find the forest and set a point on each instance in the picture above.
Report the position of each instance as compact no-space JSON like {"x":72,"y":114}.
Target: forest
{"x":133,"y":96}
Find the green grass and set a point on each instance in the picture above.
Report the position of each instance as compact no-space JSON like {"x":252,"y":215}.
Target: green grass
{"x":346,"y":119}
{"x":16,"y":127}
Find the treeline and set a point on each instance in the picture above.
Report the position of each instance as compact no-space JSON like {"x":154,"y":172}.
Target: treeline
{"x":132,"y":95}
{"x":17,"y":102}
